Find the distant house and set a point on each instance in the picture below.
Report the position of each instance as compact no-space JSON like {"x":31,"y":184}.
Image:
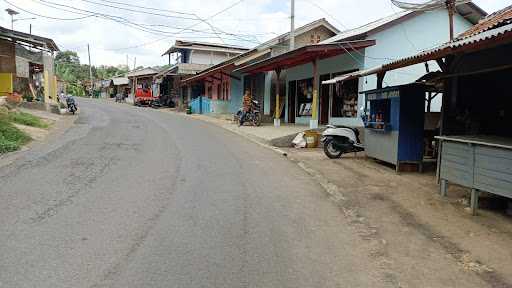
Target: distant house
{"x":398,"y":35}
{"x":223,"y":87}
{"x":27,"y":65}
{"x":186,"y":58}
{"x":141,"y":78}
{"x":119,"y":85}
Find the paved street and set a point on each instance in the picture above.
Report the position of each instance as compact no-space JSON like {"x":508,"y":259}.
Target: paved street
{"x":133,"y":197}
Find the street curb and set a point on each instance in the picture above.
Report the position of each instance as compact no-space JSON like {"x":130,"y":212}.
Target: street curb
{"x":257,"y":140}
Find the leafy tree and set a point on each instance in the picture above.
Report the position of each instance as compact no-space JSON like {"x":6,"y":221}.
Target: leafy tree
{"x":76,"y":75}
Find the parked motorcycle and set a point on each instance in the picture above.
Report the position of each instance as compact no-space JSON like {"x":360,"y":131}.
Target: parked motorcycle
{"x":71,"y":103}
{"x":338,"y":140}
{"x":253,"y":115}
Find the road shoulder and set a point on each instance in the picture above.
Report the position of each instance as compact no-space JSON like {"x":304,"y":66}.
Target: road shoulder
{"x":59,"y":124}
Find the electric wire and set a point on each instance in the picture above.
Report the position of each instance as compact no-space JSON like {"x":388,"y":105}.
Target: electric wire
{"x":45,"y":16}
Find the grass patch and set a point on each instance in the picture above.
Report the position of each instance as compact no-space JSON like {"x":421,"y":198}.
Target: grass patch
{"x":26,"y":119}
{"x":11,"y":138}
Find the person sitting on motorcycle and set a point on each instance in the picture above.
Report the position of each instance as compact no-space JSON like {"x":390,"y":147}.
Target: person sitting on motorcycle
{"x":246,"y":105}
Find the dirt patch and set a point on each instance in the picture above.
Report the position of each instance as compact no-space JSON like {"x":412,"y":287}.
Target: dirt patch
{"x":37,"y":134}
{"x":415,"y":232}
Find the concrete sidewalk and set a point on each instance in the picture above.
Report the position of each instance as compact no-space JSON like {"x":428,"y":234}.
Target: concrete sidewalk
{"x":266,"y":133}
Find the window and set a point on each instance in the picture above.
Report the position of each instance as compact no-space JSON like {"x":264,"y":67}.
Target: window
{"x":344,"y":100}
{"x":304,"y":97}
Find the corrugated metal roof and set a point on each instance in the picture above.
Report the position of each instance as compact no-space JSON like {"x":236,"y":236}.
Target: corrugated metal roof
{"x":142,"y":72}
{"x":366,"y":28}
{"x":194,"y":45}
{"x":503,"y":16}
{"x":120,"y":81}
{"x":264,"y":48}
{"x":35,"y":40}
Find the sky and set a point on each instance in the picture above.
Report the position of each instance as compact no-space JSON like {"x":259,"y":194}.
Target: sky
{"x":118,"y":32}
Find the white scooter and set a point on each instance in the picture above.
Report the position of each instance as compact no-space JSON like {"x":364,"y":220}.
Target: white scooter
{"x":340,"y":139}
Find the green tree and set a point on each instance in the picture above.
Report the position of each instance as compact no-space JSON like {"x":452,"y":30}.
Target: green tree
{"x":76,"y":75}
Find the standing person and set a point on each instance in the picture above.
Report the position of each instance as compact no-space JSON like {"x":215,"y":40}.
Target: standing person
{"x":246,"y":105}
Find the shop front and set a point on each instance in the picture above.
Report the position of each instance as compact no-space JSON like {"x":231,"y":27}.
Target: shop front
{"x":305,"y":102}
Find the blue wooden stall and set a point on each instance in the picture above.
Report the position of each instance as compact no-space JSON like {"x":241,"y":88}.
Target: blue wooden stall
{"x":394,"y":124}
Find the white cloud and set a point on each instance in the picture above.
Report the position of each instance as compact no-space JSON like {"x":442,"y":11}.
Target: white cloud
{"x":257,"y":19}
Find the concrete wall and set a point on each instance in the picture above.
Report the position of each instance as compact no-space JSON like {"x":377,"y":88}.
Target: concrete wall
{"x":207,"y":57}
{"x":236,"y":93}
{"x":422,"y":32}
{"x":22,"y":67}
{"x":214,"y":84}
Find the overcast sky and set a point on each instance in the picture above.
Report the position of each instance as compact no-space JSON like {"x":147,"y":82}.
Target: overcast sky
{"x":244,"y":23}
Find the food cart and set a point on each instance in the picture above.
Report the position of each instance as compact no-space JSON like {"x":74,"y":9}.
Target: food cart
{"x":394,"y":124}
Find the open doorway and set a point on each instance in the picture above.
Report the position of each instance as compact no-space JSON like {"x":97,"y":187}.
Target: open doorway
{"x":324,"y":99}
{"x":292,"y":89}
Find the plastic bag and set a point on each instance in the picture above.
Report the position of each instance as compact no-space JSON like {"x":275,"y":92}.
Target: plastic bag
{"x":299,"y":141}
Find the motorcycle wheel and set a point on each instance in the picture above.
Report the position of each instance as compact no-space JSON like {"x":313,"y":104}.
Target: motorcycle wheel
{"x":256,"y":120}
{"x":330,"y":151}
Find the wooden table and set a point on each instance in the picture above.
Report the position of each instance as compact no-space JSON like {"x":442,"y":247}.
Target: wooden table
{"x":481,"y":163}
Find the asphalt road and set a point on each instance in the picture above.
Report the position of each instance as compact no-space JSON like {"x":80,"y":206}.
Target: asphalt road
{"x":133,"y":197}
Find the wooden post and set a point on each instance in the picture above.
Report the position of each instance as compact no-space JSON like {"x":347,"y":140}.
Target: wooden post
{"x":444,"y":187}
{"x":277,"y":114}
{"x":451,"y":10}
{"x":380,"y":79}
{"x":474,"y":201}
{"x":313,"y":123}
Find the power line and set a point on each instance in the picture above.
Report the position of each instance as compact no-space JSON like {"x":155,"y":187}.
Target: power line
{"x":188,"y":27}
{"x":134,"y":25}
{"x":106,"y":16}
{"x":214,"y":29}
{"x":148,"y":8}
{"x":157,"y":14}
{"x":138,"y":11}
{"x":44,"y":16}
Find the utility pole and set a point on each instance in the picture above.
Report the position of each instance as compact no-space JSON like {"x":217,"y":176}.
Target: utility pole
{"x":450,"y":6}
{"x":134,"y":63}
{"x":292,"y":28}
{"x":127,"y":64}
{"x":90,"y":71}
